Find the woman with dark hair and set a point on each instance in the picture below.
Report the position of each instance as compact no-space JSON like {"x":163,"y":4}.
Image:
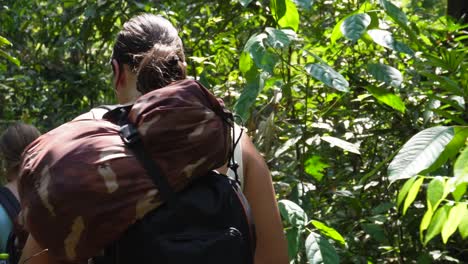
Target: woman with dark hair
{"x":148,"y":54}
{"x":13,"y":141}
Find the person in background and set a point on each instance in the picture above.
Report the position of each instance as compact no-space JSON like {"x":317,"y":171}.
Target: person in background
{"x":153,"y":41}
{"x":12,"y":143}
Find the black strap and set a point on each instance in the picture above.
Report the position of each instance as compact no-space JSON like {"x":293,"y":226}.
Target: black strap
{"x":132,"y":139}
{"x":9,"y":202}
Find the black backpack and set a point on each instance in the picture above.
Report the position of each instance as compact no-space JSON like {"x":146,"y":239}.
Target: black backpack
{"x":11,"y":205}
{"x":209,"y":222}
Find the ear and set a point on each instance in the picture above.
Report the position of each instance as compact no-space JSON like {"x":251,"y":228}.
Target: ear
{"x":119,"y":75}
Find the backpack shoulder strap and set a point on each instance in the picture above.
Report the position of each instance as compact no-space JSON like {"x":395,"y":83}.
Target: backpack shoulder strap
{"x":237,"y":158}
{"x":9,"y":202}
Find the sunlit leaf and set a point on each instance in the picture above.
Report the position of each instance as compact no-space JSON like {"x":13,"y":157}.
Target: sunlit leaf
{"x":460,"y":170}
{"x":385,"y":74}
{"x":463,"y":226}
{"x":412,"y":193}
{"x":386,"y":97}
{"x":261,"y":56}
{"x":419,"y":152}
{"x":342,"y":144}
{"x":245,"y":62}
{"x":329,"y":232}
{"x":460,"y":190}
{"x":354,"y":26}
{"x":320,"y":251}
{"x":437,"y":222}
{"x":425,"y":222}
{"x":435,"y":192}
{"x":10,"y":58}
{"x":285,"y":13}
{"x":4,"y":41}
{"x":384,"y":38}
{"x":404,"y":190}
{"x":328,"y":76}
{"x":288,"y":144}
{"x":292,"y":213}
{"x":315,"y":167}
{"x":455,"y":216}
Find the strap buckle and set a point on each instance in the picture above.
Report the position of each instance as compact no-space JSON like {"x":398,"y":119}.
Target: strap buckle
{"x":129,"y":134}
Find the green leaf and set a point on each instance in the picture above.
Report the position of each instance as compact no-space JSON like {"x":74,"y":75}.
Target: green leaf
{"x":385,"y":39}
{"x":438,"y":221}
{"x":394,"y":12}
{"x":245,"y":3}
{"x":460,"y":169}
{"x":245,"y":62}
{"x":285,"y":13}
{"x":280,"y":38}
{"x":354,"y":26}
{"x":435,"y":192}
{"x":455,"y":216}
{"x":342,"y":144}
{"x":459,"y":191}
{"x":320,"y":251}
{"x":4,"y":41}
{"x":292,"y":213}
{"x":463,"y":226}
{"x":261,"y":56}
{"x":385,"y":74}
{"x":255,"y":84}
{"x":293,"y":236}
{"x":10,"y":58}
{"x":405,"y":189}
{"x":288,"y":144}
{"x":413,"y":192}
{"x":315,"y":167}
{"x":452,"y":149}
{"x":328,"y":76}
{"x":419,"y":152}
{"x":375,"y":231}
{"x":329,"y":232}
{"x":386,"y":97}
{"x":425,"y":222}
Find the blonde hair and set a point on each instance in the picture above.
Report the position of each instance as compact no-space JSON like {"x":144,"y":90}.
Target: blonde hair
{"x":13,"y":142}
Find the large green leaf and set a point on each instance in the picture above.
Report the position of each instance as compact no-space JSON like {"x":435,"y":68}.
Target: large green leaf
{"x":285,"y":13}
{"x":354,"y":26}
{"x":385,"y":38}
{"x":454,"y":219}
{"x":385,"y":74}
{"x":329,"y":232}
{"x":293,"y":236}
{"x":320,"y":251}
{"x":394,"y":12}
{"x":386,"y":97}
{"x":463,"y":226}
{"x":412,"y":193}
{"x":452,"y":149}
{"x":460,"y":169}
{"x":375,"y":231}
{"x":255,"y":84}
{"x":263,"y":59}
{"x":438,"y":221}
{"x":342,"y":144}
{"x":419,"y":152}
{"x":10,"y":58}
{"x":435,"y":192}
{"x":280,"y":38}
{"x":292,"y":213}
{"x":328,"y":76}
{"x":245,"y":62}
{"x":404,"y":190}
